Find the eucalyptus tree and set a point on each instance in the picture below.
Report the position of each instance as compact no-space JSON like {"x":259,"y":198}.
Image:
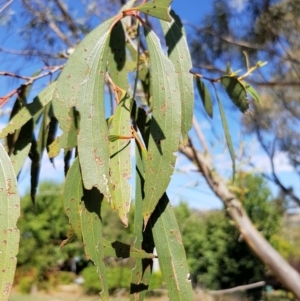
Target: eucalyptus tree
{"x":150,"y":110}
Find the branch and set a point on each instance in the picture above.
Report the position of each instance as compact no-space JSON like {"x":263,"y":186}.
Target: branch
{"x":5,"y":6}
{"x":239,"y":288}
{"x":259,"y":245}
{"x":276,"y":180}
{"x":30,"y":80}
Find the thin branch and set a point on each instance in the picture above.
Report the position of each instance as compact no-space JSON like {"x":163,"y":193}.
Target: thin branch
{"x":200,"y":135}
{"x":69,"y":20}
{"x":239,"y":288}
{"x":5,"y":6}
{"x":287,"y":191}
{"x":30,"y":80}
{"x":45,"y":18}
{"x":259,"y":245}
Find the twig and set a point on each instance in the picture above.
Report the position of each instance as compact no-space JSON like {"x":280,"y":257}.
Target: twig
{"x":30,"y":80}
{"x":5,"y":6}
{"x":238,"y":288}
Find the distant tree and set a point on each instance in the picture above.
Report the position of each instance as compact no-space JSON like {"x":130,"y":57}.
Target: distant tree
{"x":217,"y":255}
{"x":43,"y":228}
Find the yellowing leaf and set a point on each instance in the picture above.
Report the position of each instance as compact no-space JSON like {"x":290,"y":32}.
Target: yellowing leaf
{"x":156,"y":8}
{"x":253,"y":93}
{"x":165,"y":127}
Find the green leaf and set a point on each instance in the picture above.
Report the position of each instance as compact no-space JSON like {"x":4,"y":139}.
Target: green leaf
{"x":21,"y":147}
{"x":236,"y":92}
{"x":141,"y":273}
{"x":171,"y":253}
{"x":156,"y":8}
{"x":81,"y":85}
{"x":37,"y":148}
{"x":205,"y":97}
{"x":117,"y":57}
{"x":120,"y":159}
{"x":9,"y":214}
{"x":165,"y":127}
{"x":19,"y":156}
{"x":179,"y":55}
{"x":227,"y":133}
{"x":73,"y":193}
{"x":253,"y":93}
{"x":91,"y":226}
{"x":31,"y":110}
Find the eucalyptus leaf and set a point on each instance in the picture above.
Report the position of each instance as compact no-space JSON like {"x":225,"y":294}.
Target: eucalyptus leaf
{"x":253,"y":93}
{"x":165,"y":127}
{"x":120,"y":159}
{"x":29,"y":111}
{"x":179,"y":55}
{"x":236,"y":92}
{"x":10,"y":234}
{"x":81,"y":85}
{"x":156,"y":8}
{"x":170,"y":251}
{"x":205,"y":96}
{"x":227,"y":133}
{"x":91,"y":226}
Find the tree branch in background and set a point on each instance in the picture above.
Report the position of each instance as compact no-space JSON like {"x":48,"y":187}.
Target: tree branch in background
{"x":288,"y":276}
{"x":5,"y":6}
{"x":239,"y":288}
{"x":29,"y":81}
{"x":271,"y":153}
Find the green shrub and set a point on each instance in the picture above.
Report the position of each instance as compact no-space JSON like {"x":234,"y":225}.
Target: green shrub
{"x":117,"y":277}
{"x":25,"y":284}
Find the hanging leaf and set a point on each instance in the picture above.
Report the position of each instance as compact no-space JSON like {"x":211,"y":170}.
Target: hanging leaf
{"x":205,"y":96}
{"x":120,"y":159}
{"x":156,"y":8}
{"x":171,"y":253}
{"x":91,"y":226}
{"x":165,"y":126}
{"x":117,"y":57}
{"x":253,"y":93}
{"x":236,"y":92}
{"x":31,"y":110}
{"x":73,"y":193}
{"x":9,"y":214}
{"x":81,"y":85}
{"x":21,"y":147}
{"x":141,"y":273}
{"x":179,"y":55}
{"x":227,"y":133}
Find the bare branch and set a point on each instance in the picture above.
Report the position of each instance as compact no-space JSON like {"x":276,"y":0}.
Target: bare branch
{"x":30,"y":80}
{"x":5,"y":6}
{"x":260,"y":246}
{"x":276,"y":180}
{"x":239,"y":288}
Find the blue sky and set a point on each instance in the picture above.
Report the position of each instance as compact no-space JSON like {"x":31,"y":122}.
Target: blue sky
{"x":186,"y":185}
